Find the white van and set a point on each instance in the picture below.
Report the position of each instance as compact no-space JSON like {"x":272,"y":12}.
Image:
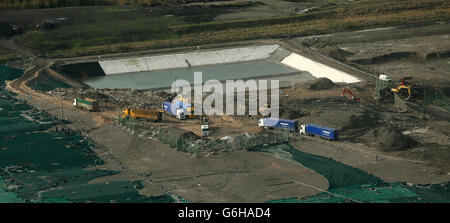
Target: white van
{"x":384,"y":77}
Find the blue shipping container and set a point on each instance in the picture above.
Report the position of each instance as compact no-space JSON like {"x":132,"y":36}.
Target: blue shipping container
{"x":169,"y":107}
{"x":279,"y":123}
{"x":322,"y":131}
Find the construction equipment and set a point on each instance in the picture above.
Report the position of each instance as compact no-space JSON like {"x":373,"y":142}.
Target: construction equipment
{"x":150,"y":115}
{"x":181,"y":102}
{"x":322,"y":131}
{"x":174,"y":110}
{"x":384,"y":77}
{"x":403,"y":89}
{"x":204,"y":125}
{"x":356,"y":98}
{"x":85,"y":104}
{"x":180,"y":108}
{"x":270,"y":123}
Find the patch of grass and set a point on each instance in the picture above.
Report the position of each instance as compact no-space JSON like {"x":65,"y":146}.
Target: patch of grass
{"x":4,"y":58}
{"x":320,"y":26}
{"x":114,"y":29}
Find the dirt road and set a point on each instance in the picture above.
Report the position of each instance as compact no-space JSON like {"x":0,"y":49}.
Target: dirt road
{"x":237,"y":176}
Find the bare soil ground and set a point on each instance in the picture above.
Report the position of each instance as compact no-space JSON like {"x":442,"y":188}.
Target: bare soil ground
{"x":237,"y":176}
{"x":418,"y":52}
{"x":241,"y":176}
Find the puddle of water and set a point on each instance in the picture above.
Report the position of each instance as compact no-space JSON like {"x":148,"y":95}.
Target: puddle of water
{"x":164,"y":78}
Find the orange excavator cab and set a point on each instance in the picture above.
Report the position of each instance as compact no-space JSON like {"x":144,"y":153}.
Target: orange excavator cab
{"x":356,"y":98}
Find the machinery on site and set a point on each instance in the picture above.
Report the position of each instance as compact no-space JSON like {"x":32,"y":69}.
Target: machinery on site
{"x":271,"y":123}
{"x":150,"y":115}
{"x":322,"y":131}
{"x":403,"y":89}
{"x":85,"y":104}
{"x":179,"y":107}
{"x":354,"y":97}
{"x":305,"y":129}
{"x":175,"y":110}
{"x":384,"y":77}
{"x":204,"y":125}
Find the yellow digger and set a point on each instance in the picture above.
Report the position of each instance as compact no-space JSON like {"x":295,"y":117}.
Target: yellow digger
{"x":402,"y":89}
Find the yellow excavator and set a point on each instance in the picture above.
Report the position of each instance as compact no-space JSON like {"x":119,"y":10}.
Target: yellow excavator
{"x":403,"y":88}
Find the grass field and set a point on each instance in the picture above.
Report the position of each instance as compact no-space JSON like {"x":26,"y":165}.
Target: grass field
{"x":97,"y":30}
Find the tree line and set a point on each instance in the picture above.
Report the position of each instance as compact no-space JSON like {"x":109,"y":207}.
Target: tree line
{"x":66,"y":3}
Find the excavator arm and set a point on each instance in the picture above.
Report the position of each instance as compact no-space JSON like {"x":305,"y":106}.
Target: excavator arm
{"x":356,"y":98}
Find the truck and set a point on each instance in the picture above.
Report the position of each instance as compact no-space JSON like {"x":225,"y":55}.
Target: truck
{"x":204,"y":125}
{"x":174,"y":110}
{"x":85,"y":104}
{"x":271,"y":122}
{"x":384,"y":77}
{"x":322,"y":131}
{"x":179,"y":109}
{"x":150,"y":115}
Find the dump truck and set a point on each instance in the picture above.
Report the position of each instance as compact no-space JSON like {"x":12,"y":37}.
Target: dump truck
{"x":322,"y":131}
{"x":272,"y":123}
{"x":150,"y":115}
{"x":85,"y":104}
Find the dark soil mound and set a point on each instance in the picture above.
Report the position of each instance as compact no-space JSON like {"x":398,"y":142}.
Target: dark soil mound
{"x":6,"y":29}
{"x":332,"y":51}
{"x":386,"y":96}
{"x":388,"y":139}
{"x":322,"y":84}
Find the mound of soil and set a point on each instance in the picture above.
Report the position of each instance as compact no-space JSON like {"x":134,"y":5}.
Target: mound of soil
{"x":388,"y":139}
{"x":386,"y":96}
{"x":322,"y":84}
{"x":6,"y":29}
{"x":332,"y":51}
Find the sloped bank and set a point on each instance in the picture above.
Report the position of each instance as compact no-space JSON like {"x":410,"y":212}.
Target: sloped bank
{"x":249,"y":62}
{"x":52,"y":166}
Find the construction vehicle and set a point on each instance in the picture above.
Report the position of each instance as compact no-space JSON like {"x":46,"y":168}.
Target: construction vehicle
{"x":403,"y":89}
{"x":180,"y":108}
{"x":182,"y":102}
{"x":85,"y":104}
{"x":150,"y":115}
{"x":356,"y":98}
{"x":204,"y":125}
{"x":270,"y":123}
{"x":384,"y":77}
{"x":173,"y":109}
{"x":322,"y":131}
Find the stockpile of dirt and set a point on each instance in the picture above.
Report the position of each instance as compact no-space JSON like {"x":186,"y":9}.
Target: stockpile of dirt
{"x":117,"y":98}
{"x":388,"y":139}
{"x":386,"y":96}
{"x":321,"y":84}
{"x":331,"y":50}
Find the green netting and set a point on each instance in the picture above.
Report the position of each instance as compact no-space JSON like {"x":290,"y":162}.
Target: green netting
{"x":348,"y":184}
{"x":116,"y":191}
{"x":338,"y":174}
{"x":359,"y":193}
{"x":380,"y":84}
{"x":8,"y":197}
{"x":436,"y":193}
{"x":9,"y":73}
{"x":56,"y":167}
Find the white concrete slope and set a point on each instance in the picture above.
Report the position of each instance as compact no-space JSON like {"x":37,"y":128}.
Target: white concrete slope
{"x":181,"y":60}
{"x":316,"y":69}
